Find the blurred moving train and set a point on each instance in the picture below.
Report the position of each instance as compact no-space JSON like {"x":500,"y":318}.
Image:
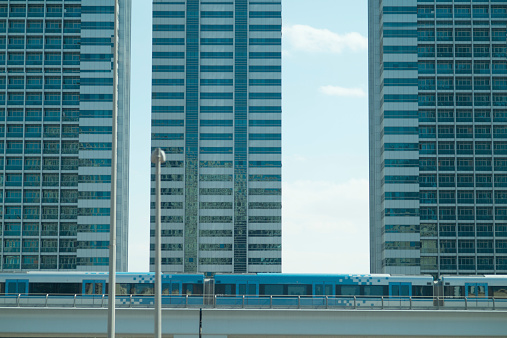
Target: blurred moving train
{"x":256,"y":285}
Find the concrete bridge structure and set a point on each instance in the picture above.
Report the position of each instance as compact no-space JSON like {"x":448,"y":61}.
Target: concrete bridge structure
{"x":29,"y":321}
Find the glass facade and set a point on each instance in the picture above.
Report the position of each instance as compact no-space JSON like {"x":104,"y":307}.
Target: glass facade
{"x":216,"y":112}
{"x":438,"y":136}
{"x":56,"y":86}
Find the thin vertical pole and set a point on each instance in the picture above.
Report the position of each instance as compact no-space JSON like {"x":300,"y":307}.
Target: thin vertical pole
{"x":158,"y":157}
{"x":111,"y":303}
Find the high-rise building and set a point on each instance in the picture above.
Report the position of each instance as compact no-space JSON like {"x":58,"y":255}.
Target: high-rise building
{"x":438,"y":136}
{"x":216,"y":112}
{"x":56,"y":94}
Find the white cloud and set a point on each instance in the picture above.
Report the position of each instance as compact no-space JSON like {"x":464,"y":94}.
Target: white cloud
{"x":325,"y":227}
{"x":310,"y":39}
{"x":341,"y":91}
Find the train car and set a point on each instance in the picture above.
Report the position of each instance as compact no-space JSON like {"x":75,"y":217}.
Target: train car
{"x":317,"y":285}
{"x":96,"y":283}
{"x":319,"y":290}
{"x":482,"y":286}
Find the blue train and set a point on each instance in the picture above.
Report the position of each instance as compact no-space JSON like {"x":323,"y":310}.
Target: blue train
{"x":258,"y":289}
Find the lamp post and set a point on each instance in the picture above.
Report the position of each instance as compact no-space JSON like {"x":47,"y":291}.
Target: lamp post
{"x":111,"y":303}
{"x":157,"y":157}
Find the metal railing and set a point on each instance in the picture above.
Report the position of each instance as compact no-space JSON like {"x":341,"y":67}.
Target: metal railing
{"x":259,"y":302}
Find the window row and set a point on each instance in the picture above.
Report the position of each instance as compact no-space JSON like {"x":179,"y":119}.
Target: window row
{"x":35,"y":179}
{"x":452,"y":131}
{"x":461,"y":213}
{"x":39,"y":58}
{"x":49,"y":82}
{"x":50,"y":196}
{"x":46,"y":131}
{"x":54,"y":98}
{"x":52,"y":10}
{"x":452,"y":83}
{"x":462,"y":180}
{"x":49,"y":147}
{"x":39,"y":42}
{"x":452,"y":196}
{"x":462,"y":164}
{"x":34,"y":262}
{"x":462,"y":67}
{"x":51,"y":114}
{"x":217,"y":14}
{"x":31,"y":228}
{"x":462,"y":230}
{"x":449,"y":51}
{"x":452,"y":148}
{"x":209,"y":233}
{"x":40,"y":26}
{"x":461,"y":11}
{"x":468,"y":213}
{"x":64,"y":228}
{"x":466,"y":263}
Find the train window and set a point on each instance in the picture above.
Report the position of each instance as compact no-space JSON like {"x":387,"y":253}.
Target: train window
{"x":225,"y":289}
{"x":122,"y":289}
{"x":348,"y":290}
{"x":476,"y":291}
{"x":319,"y":290}
{"x":144,"y":289}
{"x":55,"y":288}
{"x":374,"y":290}
{"x":422,"y":291}
{"x":271,"y":289}
{"x":299,"y":290}
{"x":454,"y":291}
{"x":192,"y":289}
{"x":399,"y":289}
{"x":41,"y":288}
{"x":499,"y":291}
{"x":94,"y":288}
{"x":69,"y":288}
{"x":170,"y":289}
{"x":245,"y":289}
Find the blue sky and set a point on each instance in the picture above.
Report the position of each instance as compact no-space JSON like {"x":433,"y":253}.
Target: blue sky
{"x":325,"y":136}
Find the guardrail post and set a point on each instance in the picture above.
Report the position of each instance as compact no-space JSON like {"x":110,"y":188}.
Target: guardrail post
{"x":493,"y":298}
{"x":130,"y":300}
{"x":271,"y":301}
{"x":215,"y":301}
{"x":438,"y":303}
{"x":46,"y":304}
{"x":299,"y":302}
{"x":466,"y":303}
{"x":75,"y":296}
{"x":327,"y":302}
{"x":17,"y":300}
{"x":410,"y":302}
{"x":355,"y":304}
{"x":382,"y":298}
{"x":243,"y":301}
{"x":186,"y":301}
{"x":102,"y":301}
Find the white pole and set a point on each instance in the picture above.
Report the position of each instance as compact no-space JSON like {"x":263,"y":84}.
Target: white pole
{"x":158,"y":157}
{"x":111,"y":303}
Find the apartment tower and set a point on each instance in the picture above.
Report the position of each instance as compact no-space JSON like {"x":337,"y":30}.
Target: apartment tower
{"x":56,"y":94}
{"x":438,"y":136}
{"x":216,"y":112}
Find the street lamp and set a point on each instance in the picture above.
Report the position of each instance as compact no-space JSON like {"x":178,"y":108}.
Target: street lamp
{"x":157,"y":157}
